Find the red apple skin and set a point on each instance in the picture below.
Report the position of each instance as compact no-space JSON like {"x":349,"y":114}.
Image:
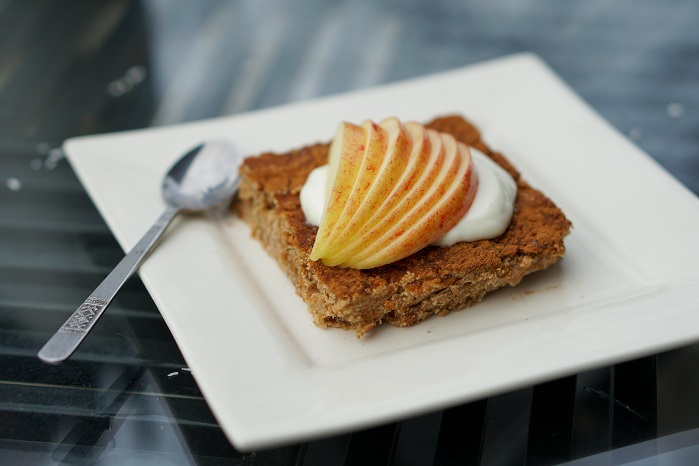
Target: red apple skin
{"x":350,"y":186}
{"x":401,"y":243}
{"x":425,"y":224}
{"x":374,"y":216}
{"x":428,"y":155}
{"x":347,"y":154}
{"x":367,"y":198}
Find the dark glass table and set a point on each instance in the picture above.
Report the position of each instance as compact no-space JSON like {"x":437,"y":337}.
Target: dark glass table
{"x":127,"y":397}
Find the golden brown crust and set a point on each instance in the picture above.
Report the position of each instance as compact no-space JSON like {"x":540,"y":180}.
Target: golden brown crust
{"x":435,"y":280}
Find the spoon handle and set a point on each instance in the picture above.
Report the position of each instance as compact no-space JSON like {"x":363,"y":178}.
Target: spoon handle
{"x":67,"y":339}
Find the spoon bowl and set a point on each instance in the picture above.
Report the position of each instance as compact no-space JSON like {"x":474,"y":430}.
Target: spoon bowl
{"x":204,"y":177}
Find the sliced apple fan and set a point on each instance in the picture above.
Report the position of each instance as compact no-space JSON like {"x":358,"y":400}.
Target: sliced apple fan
{"x":392,"y":189}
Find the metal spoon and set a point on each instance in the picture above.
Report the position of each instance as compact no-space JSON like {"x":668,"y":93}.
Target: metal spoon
{"x":204,"y":177}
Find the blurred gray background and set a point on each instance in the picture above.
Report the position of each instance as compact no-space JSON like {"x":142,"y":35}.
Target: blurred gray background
{"x":636,"y":62}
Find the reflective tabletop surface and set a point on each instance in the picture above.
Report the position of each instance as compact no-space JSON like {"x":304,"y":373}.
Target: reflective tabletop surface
{"x":127,"y":396}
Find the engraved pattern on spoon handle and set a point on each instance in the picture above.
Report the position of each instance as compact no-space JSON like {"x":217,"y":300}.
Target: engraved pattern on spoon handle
{"x":73,"y":331}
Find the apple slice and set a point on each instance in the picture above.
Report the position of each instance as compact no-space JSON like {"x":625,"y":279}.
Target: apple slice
{"x":437,"y":211}
{"x":357,"y":165}
{"x":391,"y":171}
{"x":422,"y":169}
{"x":411,"y":187}
{"x":346,"y":155}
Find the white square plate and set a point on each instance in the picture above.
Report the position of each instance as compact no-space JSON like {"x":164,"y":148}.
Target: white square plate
{"x":627,"y":287}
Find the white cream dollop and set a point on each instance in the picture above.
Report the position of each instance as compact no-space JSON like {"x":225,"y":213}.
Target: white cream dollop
{"x":488,"y":217}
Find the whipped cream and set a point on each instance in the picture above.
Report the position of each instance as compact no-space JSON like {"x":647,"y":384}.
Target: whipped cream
{"x":488,"y":217}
